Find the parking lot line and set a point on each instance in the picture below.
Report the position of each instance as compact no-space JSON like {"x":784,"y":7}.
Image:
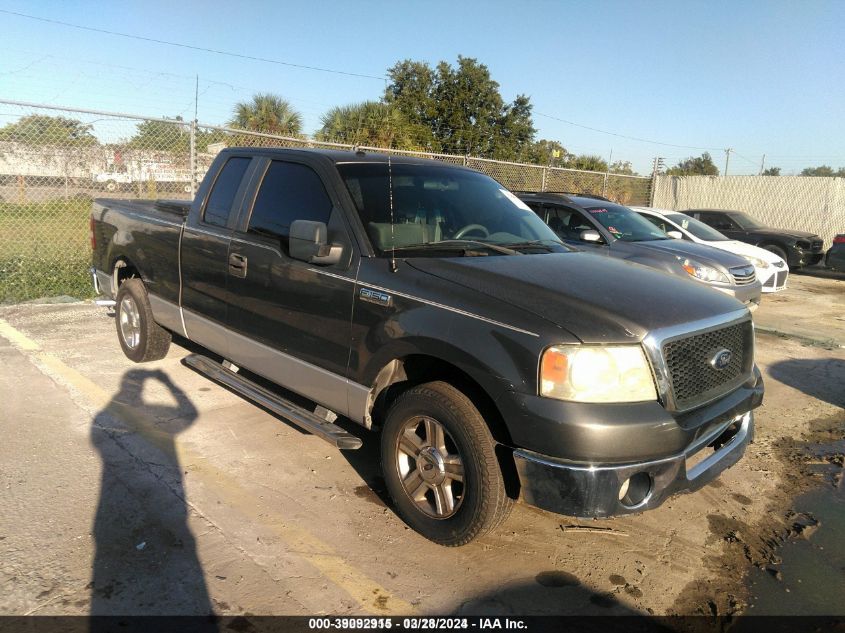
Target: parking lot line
{"x":370,"y":595}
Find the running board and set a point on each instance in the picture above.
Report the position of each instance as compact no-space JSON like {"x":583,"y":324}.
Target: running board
{"x":302,"y":418}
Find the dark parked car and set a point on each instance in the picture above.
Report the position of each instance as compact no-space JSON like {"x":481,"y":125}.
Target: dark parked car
{"x":835,"y":258}
{"x":606,"y":228}
{"x":427,"y":302}
{"x":797,"y":248}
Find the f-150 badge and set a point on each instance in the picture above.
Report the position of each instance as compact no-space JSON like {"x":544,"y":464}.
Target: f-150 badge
{"x":374,"y":296}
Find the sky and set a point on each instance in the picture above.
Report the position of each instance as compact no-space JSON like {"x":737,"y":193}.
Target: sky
{"x":760,"y":77}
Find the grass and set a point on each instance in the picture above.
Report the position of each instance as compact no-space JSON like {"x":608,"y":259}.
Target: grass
{"x":44,"y":250}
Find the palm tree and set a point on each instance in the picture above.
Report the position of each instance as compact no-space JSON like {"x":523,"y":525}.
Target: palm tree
{"x":267,"y":113}
{"x":369,"y":123}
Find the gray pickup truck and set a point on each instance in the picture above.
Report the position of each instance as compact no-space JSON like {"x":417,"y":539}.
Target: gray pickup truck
{"x":428,"y":303}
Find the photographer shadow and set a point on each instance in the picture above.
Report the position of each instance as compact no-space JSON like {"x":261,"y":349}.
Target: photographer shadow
{"x":145,"y":560}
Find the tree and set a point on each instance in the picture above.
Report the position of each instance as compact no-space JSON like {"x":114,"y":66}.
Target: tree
{"x":544,"y":152}
{"x":623,"y":167}
{"x":267,"y":113}
{"x":40,"y":129}
{"x":771,"y":171}
{"x":695,"y":166}
{"x":370,"y":123}
{"x":459,"y":109}
{"x":824,"y":170}
{"x":588,"y":162}
{"x":161,"y":136}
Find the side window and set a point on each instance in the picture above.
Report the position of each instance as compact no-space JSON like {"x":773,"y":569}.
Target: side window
{"x":288,"y":192}
{"x":660,"y":224}
{"x":567,"y":223}
{"x":718,"y":221}
{"x":223,"y":192}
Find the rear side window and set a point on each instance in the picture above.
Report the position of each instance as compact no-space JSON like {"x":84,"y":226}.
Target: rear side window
{"x":288,"y":192}
{"x":223,"y":192}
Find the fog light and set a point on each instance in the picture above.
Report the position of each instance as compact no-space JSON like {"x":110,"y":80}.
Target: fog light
{"x":635,"y":490}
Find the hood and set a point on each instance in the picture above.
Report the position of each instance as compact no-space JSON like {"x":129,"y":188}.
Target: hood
{"x":597,"y":299}
{"x":773,"y":232}
{"x":741,"y":248}
{"x":701,"y":252}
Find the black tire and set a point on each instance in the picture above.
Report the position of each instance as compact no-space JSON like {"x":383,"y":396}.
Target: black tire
{"x":777,"y":250}
{"x":483,"y":503}
{"x":152,"y":340}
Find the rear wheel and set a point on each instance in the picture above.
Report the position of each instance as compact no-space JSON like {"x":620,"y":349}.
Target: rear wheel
{"x":440,"y":465}
{"x":141,"y":338}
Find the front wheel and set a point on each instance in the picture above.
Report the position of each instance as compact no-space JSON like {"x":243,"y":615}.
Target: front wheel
{"x":141,"y":338}
{"x":777,"y":250}
{"x":440,"y":465}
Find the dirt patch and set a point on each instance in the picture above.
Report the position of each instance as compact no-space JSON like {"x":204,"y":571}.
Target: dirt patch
{"x":756,"y":544}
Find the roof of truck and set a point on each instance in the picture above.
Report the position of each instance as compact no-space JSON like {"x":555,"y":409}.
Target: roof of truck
{"x":345,"y":156}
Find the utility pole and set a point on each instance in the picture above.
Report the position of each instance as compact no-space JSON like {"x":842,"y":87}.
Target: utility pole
{"x":727,"y":159}
{"x":763,"y":165}
{"x":657,"y":165}
{"x":193,"y":146}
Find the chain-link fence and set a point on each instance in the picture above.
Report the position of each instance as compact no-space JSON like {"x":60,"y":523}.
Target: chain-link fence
{"x":803,"y":203}
{"x":54,"y":161}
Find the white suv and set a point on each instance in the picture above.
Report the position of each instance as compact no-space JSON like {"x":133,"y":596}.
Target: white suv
{"x":771,"y":270}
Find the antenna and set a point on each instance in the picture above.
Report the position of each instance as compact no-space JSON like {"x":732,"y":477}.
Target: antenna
{"x":393,"y":268}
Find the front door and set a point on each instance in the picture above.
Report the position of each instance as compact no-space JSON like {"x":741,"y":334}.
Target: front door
{"x":292,"y":319}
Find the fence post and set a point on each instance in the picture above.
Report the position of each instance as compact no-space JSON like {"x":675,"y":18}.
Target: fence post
{"x":193,"y":158}
{"x":604,"y":186}
{"x":466,"y":160}
{"x":543,"y":183}
{"x":653,"y":186}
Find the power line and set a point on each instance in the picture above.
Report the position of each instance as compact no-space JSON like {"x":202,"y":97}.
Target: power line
{"x":630,"y":138}
{"x":190,"y":46}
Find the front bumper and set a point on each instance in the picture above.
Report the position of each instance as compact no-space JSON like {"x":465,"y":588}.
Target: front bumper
{"x":748,"y":295}
{"x":587,"y":490}
{"x":774,"y":279}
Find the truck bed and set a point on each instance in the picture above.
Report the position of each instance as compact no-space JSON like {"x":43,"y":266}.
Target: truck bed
{"x":152,"y":227}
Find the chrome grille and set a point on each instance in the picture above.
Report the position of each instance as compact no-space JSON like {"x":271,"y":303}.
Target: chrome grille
{"x":693,"y":378}
{"x":743,"y":275}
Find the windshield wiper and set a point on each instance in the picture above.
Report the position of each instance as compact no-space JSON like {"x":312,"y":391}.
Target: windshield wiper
{"x":547,"y":245}
{"x":455,"y":245}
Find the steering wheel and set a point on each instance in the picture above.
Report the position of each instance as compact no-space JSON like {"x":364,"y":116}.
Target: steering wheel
{"x":469,"y":228}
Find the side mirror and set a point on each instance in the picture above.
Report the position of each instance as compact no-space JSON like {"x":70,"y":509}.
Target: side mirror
{"x":590,"y":235}
{"x":309,"y":243}
{"x":675,"y":235}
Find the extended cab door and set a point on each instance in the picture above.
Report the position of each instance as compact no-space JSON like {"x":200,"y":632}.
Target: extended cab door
{"x":291,"y":320}
{"x":204,"y":256}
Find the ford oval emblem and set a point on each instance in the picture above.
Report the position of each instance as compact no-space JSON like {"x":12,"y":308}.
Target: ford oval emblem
{"x":721,"y":359}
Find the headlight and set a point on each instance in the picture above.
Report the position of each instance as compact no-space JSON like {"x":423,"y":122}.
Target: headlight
{"x":585,"y":373}
{"x":757,"y":262}
{"x":704,"y":273}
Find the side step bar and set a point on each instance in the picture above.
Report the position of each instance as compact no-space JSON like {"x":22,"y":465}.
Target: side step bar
{"x":302,"y":418}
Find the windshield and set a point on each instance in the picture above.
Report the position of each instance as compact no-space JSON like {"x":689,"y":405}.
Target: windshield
{"x":439,"y":205}
{"x":624,"y":224}
{"x":745,"y":221}
{"x":697,"y":228}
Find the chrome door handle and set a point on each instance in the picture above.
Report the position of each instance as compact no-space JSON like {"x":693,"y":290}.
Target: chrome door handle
{"x":237,"y":265}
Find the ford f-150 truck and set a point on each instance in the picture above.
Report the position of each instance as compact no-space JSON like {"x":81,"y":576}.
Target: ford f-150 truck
{"x":428,"y":302}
